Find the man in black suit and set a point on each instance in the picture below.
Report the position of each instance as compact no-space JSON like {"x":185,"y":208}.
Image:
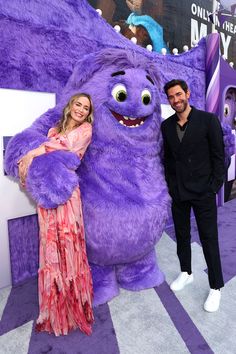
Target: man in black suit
{"x":194,"y":171}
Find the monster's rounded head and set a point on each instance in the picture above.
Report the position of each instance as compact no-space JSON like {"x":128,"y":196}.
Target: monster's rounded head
{"x":229,"y":116}
{"x":124,"y":86}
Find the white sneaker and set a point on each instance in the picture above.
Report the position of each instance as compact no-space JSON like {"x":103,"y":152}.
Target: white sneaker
{"x":212,"y":302}
{"x":181,"y":281}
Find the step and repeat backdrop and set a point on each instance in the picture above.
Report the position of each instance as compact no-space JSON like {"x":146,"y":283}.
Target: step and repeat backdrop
{"x":174,"y":24}
{"x":177,"y":23}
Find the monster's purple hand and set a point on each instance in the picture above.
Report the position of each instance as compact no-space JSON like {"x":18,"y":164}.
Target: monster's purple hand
{"x":52,"y":178}
{"x":229,"y":141}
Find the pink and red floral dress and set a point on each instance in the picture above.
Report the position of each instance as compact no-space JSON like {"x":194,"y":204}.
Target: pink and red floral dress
{"x":65,"y":282}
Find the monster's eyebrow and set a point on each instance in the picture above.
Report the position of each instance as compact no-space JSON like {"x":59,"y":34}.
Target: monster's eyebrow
{"x":118,"y":73}
{"x":150,"y":79}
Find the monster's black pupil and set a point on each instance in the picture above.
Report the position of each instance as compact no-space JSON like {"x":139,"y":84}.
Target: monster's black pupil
{"x":146,"y":99}
{"x":121,"y":96}
{"x":226,"y":111}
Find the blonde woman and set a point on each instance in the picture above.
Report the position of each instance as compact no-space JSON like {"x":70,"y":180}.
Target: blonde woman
{"x":65,"y":283}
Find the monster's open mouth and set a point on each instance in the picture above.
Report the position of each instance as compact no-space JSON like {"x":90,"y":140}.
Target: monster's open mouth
{"x":128,"y":121}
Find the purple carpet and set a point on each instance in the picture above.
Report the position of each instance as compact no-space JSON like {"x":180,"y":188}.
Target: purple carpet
{"x":22,"y":307}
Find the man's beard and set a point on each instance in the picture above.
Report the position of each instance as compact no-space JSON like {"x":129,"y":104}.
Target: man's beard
{"x":182,"y":107}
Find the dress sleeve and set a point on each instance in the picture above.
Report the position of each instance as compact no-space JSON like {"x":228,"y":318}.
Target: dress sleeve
{"x":54,"y":142}
{"x":52,"y":132}
{"x":80,"y":139}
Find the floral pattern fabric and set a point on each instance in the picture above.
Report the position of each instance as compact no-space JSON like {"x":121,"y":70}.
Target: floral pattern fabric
{"x":65,"y":282}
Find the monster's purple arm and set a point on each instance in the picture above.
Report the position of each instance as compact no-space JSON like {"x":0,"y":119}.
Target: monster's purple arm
{"x":51,"y":177}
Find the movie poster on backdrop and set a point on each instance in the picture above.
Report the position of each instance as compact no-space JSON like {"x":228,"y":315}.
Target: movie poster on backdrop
{"x":170,"y":23}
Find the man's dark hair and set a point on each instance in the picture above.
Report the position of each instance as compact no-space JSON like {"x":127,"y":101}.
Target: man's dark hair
{"x":175,"y":82}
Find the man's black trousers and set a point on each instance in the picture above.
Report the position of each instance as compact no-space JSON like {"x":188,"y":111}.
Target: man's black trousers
{"x":205,"y":211}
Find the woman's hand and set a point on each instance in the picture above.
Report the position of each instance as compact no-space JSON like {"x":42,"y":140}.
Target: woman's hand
{"x":23,"y":166}
{"x":25,"y":162}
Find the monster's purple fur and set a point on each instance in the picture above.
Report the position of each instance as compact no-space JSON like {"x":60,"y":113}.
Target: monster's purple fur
{"x":124,"y":194}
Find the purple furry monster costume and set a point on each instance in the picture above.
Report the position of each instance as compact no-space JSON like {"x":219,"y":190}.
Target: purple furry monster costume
{"x":124,"y":194}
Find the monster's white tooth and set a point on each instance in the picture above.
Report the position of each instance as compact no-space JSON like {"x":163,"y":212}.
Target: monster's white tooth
{"x":131,"y":118}
{"x":121,"y":122}
{"x":126,"y":118}
{"x":137,"y":125}
{"x":141,"y":122}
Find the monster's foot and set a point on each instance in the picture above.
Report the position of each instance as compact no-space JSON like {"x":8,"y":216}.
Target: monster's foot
{"x":104,"y":284}
{"x":139,"y":275}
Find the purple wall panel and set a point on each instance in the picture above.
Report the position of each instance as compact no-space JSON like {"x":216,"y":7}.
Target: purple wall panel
{"x":23,"y":242}
{"x":5,"y":142}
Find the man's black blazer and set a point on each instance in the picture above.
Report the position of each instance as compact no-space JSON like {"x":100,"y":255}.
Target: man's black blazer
{"x":195,"y":166}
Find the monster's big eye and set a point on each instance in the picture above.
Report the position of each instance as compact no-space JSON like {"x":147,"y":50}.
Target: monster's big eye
{"x":146,"y":96}
{"x":119,"y":93}
{"x":226,"y":110}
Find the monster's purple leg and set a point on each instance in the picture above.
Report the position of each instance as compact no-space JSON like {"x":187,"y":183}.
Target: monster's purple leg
{"x":104,"y":283}
{"x":141,"y":274}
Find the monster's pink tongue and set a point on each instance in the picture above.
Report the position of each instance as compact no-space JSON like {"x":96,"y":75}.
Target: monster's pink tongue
{"x":127,"y":121}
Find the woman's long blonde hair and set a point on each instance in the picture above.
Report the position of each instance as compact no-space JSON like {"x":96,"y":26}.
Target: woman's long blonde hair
{"x":62,"y":124}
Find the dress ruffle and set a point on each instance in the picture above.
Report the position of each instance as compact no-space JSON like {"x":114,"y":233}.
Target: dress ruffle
{"x":65,"y":282}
